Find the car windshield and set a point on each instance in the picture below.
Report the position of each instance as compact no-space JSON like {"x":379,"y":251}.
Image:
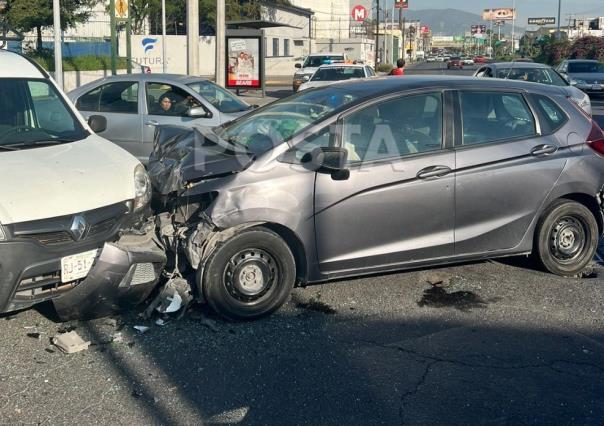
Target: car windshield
{"x":585,"y":67}
{"x":535,"y":75}
{"x":33,"y":113}
{"x":280,"y":121}
{"x":222,"y":99}
{"x":337,"y":73}
{"x":317,"y":61}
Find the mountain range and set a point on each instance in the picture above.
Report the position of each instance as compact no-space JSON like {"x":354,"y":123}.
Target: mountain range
{"x":452,"y":21}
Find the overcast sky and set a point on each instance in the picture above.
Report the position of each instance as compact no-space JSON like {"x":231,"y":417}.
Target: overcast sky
{"x":525,"y":8}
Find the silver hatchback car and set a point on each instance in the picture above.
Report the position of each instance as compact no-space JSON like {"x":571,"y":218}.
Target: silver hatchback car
{"x":134,"y":104}
{"x":379,"y":175}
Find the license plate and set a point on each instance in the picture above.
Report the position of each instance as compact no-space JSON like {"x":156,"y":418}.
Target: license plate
{"x":77,"y":266}
{"x":596,"y":87}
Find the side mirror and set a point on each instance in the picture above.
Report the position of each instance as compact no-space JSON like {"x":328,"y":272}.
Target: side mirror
{"x":97,"y":123}
{"x":330,"y":160}
{"x":199,"y":112}
{"x":298,"y":65}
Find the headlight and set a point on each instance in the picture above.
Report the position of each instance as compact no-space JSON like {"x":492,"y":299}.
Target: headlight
{"x":142,"y":188}
{"x":305,"y":78}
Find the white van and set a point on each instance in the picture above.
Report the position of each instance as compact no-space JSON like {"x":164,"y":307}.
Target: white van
{"x":73,"y":206}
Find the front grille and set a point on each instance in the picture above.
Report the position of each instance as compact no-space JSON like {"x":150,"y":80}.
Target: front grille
{"x":143,"y":273}
{"x":56,"y":231}
{"x":102,"y":227}
{"x":50,"y":238}
{"x":42,"y":287}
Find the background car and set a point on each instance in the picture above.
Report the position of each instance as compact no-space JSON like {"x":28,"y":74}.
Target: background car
{"x":455,"y":63}
{"x":431,"y":59}
{"x":327,"y":74}
{"x":466,"y":60}
{"x":131,"y":105}
{"x":586,"y":75}
{"x":312,"y":63}
{"x":535,"y":73}
{"x":479,"y":59}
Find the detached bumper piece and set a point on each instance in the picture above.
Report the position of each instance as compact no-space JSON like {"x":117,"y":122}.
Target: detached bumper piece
{"x":123,"y":276}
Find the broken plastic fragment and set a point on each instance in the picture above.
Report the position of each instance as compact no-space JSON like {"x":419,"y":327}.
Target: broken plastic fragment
{"x":160,"y":321}
{"x":175,"y":304}
{"x":141,"y":328}
{"x":70,"y":342}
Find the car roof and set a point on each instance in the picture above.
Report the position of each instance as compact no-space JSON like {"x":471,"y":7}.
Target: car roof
{"x":342,"y":65}
{"x":157,"y":77}
{"x":519,"y":65}
{"x":570,"y":61}
{"x":381,"y":86}
{"x":326,"y":54}
{"x":15,"y":65}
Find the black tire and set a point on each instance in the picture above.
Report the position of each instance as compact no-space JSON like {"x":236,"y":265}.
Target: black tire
{"x":249,"y":275}
{"x":566,"y":238}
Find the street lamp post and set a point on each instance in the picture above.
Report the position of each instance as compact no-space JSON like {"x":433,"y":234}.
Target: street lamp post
{"x":559,"y":9}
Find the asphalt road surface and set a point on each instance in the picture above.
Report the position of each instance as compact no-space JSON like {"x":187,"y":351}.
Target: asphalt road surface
{"x":496,"y":342}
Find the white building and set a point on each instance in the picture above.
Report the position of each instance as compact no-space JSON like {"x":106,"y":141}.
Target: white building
{"x":331,"y":17}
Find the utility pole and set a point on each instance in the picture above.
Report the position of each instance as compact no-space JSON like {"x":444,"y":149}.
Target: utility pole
{"x":113,"y":38}
{"x":193,"y":37}
{"x":164,"y":57}
{"x":56,"y":14}
{"x":401,"y":24}
{"x":558,"y":35}
{"x":220,"y":42}
{"x":513,"y":27}
{"x":377,"y":36}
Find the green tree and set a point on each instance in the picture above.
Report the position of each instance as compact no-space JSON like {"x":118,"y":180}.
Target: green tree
{"x":29,"y":15}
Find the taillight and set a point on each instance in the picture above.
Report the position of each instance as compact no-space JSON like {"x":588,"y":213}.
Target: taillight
{"x":595,"y":140}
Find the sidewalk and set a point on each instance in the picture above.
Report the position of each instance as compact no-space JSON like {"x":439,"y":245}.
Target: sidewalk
{"x":254,"y":97}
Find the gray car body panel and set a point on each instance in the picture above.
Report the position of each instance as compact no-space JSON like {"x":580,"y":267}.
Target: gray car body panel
{"x":135,"y":132}
{"x":378,"y":221}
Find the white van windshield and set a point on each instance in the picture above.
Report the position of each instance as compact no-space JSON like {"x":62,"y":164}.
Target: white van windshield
{"x":32,"y":113}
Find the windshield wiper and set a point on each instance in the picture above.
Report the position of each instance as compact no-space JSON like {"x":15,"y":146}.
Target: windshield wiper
{"x":9,"y":148}
{"x":47,"y":142}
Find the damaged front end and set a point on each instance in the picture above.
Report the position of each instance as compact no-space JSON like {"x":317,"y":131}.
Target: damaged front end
{"x":182,"y":159}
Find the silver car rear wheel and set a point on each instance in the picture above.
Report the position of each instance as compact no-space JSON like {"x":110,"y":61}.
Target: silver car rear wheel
{"x":566,"y":238}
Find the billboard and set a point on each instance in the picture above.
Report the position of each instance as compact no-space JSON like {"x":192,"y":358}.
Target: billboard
{"x":479,"y":31}
{"x":404,"y":4}
{"x":541,"y":21}
{"x":506,"y":13}
{"x":424,"y":29}
{"x":243,"y":62}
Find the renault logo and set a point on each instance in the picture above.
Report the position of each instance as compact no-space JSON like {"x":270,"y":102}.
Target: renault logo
{"x":78,"y":227}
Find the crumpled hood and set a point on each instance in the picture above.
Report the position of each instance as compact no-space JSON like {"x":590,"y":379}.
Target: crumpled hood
{"x":58,"y":180}
{"x":184,"y":155}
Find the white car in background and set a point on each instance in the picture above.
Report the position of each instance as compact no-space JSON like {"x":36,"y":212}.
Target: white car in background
{"x":467,"y":61}
{"x":327,"y":74}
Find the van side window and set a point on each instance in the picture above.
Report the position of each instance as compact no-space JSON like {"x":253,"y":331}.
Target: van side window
{"x":494,"y":116}
{"x":49,"y":109}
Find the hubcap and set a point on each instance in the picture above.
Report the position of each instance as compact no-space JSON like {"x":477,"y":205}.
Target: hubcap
{"x":250,"y":274}
{"x":567,"y":239}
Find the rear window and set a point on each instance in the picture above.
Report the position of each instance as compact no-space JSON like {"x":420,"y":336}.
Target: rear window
{"x":317,"y":61}
{"x":551,"y":116}
{"x":585,"y":67}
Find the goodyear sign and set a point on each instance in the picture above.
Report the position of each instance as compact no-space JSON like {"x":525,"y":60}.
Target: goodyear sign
{"x":541,"y":21}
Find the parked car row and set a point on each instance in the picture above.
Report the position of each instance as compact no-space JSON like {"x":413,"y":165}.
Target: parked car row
{"x":358,"y":177}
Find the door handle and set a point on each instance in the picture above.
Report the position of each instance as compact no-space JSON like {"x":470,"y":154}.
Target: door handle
{"x":544,"y":150}
{"x":433,"y":172}
{"x":152,"y":123}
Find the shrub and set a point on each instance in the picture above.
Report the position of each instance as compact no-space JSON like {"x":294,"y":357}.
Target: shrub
{"x":385,"y":67}
{"x":77,"y":63}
